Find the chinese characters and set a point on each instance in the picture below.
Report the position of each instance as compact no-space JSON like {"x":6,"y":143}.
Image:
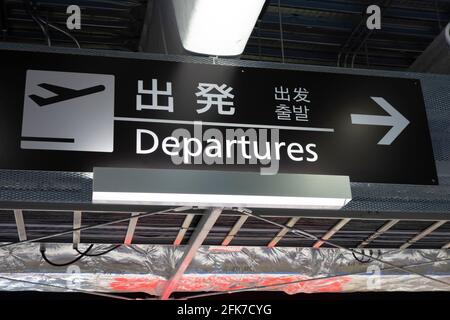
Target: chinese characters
{"x":295,"y":107}
{"x":208,"y":95}
{"x":215,"y":95}
{"x":155,"y":93}
{"x":292,"y":104}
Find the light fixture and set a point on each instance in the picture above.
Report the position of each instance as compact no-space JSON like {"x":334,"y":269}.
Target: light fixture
{"x":219,"y":188}
{"x":216,"y":27}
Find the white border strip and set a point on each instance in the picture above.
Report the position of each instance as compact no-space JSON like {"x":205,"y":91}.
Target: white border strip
{"x":224,"y":124}
{"x":219,"y":200}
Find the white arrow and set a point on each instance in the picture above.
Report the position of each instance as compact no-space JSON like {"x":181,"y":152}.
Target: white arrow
{"x":395,"y":120}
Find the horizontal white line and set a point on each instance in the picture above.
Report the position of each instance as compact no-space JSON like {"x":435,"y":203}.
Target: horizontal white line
{"x":224,"y":124}
{"x":219,"y":200}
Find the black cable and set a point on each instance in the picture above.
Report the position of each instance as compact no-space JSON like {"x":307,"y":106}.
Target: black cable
{"x":335,"y":245}
{"x":385,"y":6}
{"x":44,"y":31}
{"x":367,"y":260}
{"x":61,"y":30}
{"x":93,"y":226}
{"x":100,"y":253}
{"x":28,"y":6}
{"x":82,"y":254}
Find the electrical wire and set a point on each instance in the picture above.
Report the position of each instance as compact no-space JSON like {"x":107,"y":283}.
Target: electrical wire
{"x":385,"y":5}
{"x":98,"y":254}
{"x":61,"y":30}
{"x":104,"y":224}
{"x":305,"y":234}
{"x":246,"y":212}
{"x":331,"y":243}
{"x":348,"y":52}
{"x":347,"y":42}
{"x":44,"y":31}
{"x":81,"y":255}
{"x":371,"y":253}
{"x":66,"y":289}
{"x":65,"y":264}
{"x":254,"y":288}
{"x":31,"y":11}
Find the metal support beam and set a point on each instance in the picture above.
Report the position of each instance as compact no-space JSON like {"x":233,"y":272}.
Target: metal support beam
{"x":379,"y":232}
{"x":237,"y":226}
{"x":76,"y":225}
{"x":131,"y":227}
{"x":18,"y":215}
{"x":184,"y":227}
{"x":424,"y":233}
{"x":283,"y":232}
{"x":195,"y":241}
{"x":331,"y":232}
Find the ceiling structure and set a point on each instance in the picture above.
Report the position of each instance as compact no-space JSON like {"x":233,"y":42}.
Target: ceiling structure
{"x":107,"y":24}
{"x":231,"y":228}
{"x":317,"y":32}
{"x":334,"y":33}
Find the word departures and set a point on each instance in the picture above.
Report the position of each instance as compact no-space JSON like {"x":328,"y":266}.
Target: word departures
{"x":218,"y":149}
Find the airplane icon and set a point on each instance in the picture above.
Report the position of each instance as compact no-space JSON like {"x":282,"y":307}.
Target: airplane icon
{"x":68,"y":111}
{"x":63,"y":94}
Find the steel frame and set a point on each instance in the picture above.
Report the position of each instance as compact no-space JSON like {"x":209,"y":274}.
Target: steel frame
{"x":195,"y":241}
{"x":294,"y":217}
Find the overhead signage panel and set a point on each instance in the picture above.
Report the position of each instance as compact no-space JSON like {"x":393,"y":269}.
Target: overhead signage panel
{"x":69,"y":112}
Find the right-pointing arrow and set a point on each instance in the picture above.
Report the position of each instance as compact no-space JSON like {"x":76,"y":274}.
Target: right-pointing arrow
{"x":395,"y":120}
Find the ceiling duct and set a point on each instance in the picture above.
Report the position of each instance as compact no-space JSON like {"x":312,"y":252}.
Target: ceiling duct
{"x":436,"y":58}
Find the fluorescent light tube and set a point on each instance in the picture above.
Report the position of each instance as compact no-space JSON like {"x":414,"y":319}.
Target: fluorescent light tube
{"x":216,"y":27}
{"x":222,"y":200}
{"x":219,"y":189}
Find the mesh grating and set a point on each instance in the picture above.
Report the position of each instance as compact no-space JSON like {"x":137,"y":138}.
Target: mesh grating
{"x":45,"y":186}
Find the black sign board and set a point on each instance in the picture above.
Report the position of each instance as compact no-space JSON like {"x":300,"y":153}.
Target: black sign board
{"x":69,"y":112}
